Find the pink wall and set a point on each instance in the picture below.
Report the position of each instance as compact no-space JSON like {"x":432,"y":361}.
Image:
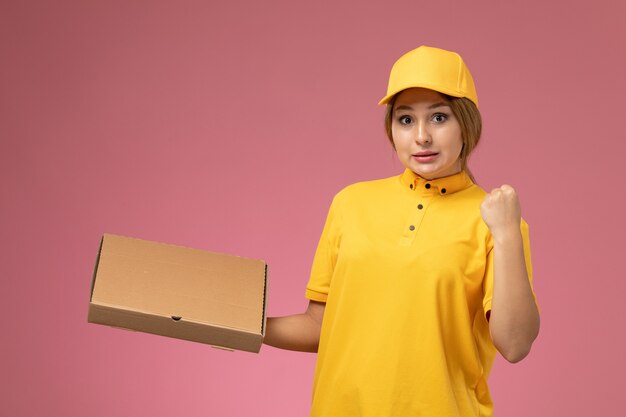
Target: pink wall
{"x":230,"y":128}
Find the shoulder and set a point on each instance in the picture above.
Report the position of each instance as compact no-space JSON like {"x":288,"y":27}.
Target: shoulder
{"x":376,"y":188}
{"x":467,"y":199}
{"x":475,"y":191}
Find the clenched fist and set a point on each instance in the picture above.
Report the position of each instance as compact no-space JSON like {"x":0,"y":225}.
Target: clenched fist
{"x":501,"y":211}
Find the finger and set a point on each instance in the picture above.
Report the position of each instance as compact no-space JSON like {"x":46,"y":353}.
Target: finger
{"x":495,"y":194}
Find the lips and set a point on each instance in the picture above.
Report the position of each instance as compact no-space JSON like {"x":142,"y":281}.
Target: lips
{"x":424,"y":157}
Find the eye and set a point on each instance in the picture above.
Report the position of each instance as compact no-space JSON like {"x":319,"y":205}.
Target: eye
{"x":405,"y":120}
{"x":439,"y":117}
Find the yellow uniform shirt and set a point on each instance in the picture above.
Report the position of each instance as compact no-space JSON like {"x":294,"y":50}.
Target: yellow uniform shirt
{"x":405,"y":266}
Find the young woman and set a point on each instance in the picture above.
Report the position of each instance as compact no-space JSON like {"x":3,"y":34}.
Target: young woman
{"x":419,"y":278}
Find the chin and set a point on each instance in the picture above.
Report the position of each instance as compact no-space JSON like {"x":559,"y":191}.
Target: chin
{"x":426,"y":174}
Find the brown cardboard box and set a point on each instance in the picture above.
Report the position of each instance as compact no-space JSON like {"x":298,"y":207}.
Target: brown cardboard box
{"x":180,"y":292}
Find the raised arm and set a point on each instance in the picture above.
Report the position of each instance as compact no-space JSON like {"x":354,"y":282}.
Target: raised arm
{"x":299,"y":332}
{"x":514,"y":319}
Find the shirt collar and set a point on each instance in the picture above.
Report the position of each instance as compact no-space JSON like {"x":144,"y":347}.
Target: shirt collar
{"x":443,"y":186}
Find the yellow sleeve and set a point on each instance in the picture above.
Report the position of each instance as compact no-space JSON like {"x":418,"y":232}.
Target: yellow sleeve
{"x":325,"y":257}
{"x":488,"y":279}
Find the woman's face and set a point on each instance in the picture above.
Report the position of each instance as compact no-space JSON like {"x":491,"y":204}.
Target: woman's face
{"x":426,"y":135}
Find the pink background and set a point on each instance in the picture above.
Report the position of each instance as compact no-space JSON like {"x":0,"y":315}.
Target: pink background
{"x":230,"y":128}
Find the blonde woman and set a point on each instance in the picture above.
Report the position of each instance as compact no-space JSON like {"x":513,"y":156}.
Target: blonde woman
{"x":420,"y":278}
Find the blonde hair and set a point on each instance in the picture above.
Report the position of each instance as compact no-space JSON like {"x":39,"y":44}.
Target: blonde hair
{"x":468,"y":116}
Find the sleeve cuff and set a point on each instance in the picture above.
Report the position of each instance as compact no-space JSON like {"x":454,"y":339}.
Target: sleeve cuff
{"x":315,"y":295}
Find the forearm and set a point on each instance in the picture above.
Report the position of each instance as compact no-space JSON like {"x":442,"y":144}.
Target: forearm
{"x":514,"y":319}
{"x":300,"y":332}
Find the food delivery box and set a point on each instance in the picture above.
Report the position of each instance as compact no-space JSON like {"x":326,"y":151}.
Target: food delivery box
{"x":179,"y":292}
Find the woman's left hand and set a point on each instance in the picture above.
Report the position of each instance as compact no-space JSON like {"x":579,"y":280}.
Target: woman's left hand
{"x":514,"y":319}
{"x":501,"y":210}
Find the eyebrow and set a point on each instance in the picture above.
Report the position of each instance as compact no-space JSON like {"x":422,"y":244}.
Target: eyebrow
{"x":432,"y":106}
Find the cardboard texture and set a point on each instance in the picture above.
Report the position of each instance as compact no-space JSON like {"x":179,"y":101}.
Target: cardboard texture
{"x":180,"y":292}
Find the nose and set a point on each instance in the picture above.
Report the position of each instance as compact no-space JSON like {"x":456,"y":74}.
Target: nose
{"x":422,"y":134}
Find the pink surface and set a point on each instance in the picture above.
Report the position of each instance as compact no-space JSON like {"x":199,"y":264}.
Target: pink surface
{"x":230,"y":128}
